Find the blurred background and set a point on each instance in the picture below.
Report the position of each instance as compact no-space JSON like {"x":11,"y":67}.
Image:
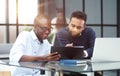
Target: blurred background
{"x":18,"y":15}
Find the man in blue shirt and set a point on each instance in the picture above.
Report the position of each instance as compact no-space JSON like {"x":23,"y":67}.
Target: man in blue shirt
{"x":77,"y":34}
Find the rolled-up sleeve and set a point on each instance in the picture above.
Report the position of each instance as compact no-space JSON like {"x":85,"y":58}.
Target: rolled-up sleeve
{"x":16,"y":51}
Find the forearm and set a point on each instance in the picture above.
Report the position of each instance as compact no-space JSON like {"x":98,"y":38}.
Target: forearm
{"x":31,"y":58}
{"x":50,"y":57}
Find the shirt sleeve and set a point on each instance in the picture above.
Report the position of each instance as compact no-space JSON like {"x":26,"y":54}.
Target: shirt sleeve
{"x":16,"y":51}
{"x":47,"y":47}
{"x":91,"y":41}
{"x":61,"y":38}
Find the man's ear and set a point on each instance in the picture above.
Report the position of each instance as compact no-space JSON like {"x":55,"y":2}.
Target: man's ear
{"x":84,"y":25}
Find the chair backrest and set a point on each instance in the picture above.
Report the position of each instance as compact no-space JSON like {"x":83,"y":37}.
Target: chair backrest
{"x":5,"y":48}
{"x":106,"y":49}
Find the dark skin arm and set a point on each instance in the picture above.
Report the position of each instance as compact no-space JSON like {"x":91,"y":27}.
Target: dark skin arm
{"x":50,"y":57}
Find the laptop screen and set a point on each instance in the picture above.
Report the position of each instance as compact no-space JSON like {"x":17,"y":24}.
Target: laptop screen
{"x":69,"y":52}
{"x":106,"y":49}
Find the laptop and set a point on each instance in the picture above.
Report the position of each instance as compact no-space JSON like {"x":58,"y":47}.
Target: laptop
{"x":69,"y":52}
{"x":106,"y":49}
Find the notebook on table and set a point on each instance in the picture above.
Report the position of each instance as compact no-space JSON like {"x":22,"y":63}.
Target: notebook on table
{"x":69,"y":52}
{"x":106,"y":50}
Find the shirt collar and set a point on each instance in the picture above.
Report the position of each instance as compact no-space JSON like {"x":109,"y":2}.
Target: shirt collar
{"x":34,"y":37}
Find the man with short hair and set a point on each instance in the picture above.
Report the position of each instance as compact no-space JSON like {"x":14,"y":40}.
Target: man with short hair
{"x":77,"y":34}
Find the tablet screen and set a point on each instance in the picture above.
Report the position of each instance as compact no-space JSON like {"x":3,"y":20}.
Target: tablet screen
{"x":69,"y":52}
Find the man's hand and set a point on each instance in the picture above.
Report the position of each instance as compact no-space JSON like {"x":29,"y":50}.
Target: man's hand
{"x":51,"y":57}
{"x":85,"y":55}
{"x":69,"y":45}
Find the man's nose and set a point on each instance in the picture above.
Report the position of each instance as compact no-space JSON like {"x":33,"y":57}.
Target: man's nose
{"x":74,"y":29}
{"x":47,"y":32}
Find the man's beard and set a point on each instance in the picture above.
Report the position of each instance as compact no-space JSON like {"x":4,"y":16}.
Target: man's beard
{"x":75,"y":34}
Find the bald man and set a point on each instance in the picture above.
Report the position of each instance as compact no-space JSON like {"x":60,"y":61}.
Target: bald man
{"x":33,"y":46}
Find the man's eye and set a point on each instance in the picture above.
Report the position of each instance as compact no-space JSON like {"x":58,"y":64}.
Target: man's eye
{"x":79,"y":27}
{"x":73,"y":25}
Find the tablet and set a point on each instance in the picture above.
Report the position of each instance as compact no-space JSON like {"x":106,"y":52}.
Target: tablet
{"x":75,"y":52}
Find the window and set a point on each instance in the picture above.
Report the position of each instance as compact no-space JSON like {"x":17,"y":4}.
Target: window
{"x":14,"y":15}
